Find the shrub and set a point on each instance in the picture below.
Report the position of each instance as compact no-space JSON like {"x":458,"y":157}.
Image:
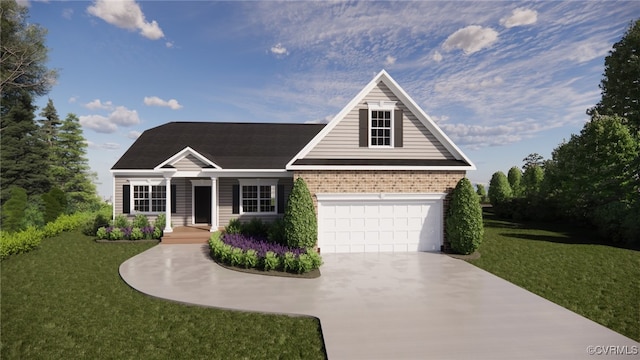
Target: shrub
{"x":102,"y":233}
{"x":276,"y":232}
{"x":305,"y":264}
{"x":271,"y":261}
{"x":255,"y":227}
{"x":136,"y":234}
{"x":250,"y":259}
{"x":140,"y":221}
{"x":482,"y":193}
{"x":55,"y":204}
{"x":19,"y":242}
{"x":289,"y":262}
{"x":237,"y":257}
{"x":532,"y":181}
{"x":464,"y":219}
{"x":34,"y":213}
{"x":234,"y":227}
{"x":13,"y":210}
{"x":300,"y":223}
{"x":161,"y":221}
{"x":116,"y":234}
{"x":515,"y":179}
{"x":157,"y":233}
{"x":91,"y":227}
{"x":120,"y":221}
{"x":316,"y":259}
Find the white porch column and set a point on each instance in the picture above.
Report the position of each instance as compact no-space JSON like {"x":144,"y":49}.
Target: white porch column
{"x":214,"y":204}
{"x":167,"y":211}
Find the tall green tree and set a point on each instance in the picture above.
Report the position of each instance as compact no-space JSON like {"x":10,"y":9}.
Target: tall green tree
{"x":499,"y":189}
{"x":50,"y":124}
{"x":482,"y":193}
{"x":515,"y":178}
{"x":70,"y":169}
{"x":300,"y":222}
{"x":595,"y":167}
{"x":13,"y":210}
{"x":532,"y":160}
{"x":23,"y":154}
{"x":23,"y":54}
{"x":620,"y":84}
{"x":532,"y":181}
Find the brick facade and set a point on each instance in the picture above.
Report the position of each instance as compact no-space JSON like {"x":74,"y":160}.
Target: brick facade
{"x":382,"y":181}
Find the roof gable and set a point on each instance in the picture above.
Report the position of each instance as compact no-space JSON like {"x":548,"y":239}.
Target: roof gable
{"x":428,"y":144}
{"x":187,"y":153}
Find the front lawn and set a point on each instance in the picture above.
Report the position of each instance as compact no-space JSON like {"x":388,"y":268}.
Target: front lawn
{"x":567,"y":265}
{"x":66,"y":300}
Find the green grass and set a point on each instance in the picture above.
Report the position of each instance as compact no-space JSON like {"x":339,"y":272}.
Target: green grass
{"x":567,"y":265}
{"x":66,"y":300}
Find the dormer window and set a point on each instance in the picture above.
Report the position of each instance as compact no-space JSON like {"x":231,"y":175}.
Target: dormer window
{"x":380,"y":128}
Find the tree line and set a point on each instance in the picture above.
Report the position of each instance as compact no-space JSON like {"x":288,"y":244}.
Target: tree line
{"x":594,"y":177}
{"x":44,"y":171}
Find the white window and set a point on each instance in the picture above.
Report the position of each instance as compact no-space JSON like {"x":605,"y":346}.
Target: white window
{"x":381,"y":123}
{"x":149,"y":196}
{"x":258,"y":196}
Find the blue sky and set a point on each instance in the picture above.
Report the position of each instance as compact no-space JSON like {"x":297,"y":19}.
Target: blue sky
{"x":502,"y":79}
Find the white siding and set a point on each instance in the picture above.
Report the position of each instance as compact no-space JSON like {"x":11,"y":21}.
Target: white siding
{"x":343,"y":141}
{"x":189,"y":163}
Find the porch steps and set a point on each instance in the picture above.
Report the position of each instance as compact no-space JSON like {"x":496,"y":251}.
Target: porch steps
{"x":187,"y":235}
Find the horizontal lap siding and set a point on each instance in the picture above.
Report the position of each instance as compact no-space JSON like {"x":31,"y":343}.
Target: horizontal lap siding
{"x":342,"y":142}
{"x":225,"y":210}
{"x":183,"y":198}
{"x":189,"y":163}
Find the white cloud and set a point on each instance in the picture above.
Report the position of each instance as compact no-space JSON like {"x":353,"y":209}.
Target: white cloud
{"x":97,"y":104}
{"x":279,"y":50}
{"x":73,"y":100}
{"x":586,"y":51}
{"x":520,"y":17}
{"x":126,"y":14}
{"x":133,"y":134}
{"x":437,"y":57}
{"x":471,"y":39}
{"x":390,"y":60}
{"x":110,"y":146}
{"x":98,"y":123}
{"x":125,"y":117}
{"x":109,"y":124}
{"x":156,"y":101}
{"x":169,"y":44}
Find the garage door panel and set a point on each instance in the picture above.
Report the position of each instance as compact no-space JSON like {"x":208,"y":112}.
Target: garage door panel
{"x":379,"y":225}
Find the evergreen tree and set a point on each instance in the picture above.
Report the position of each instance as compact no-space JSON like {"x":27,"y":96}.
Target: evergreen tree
{"x":482,"y":193}
{"x":532,"y":181}
{"x":50,"y":124}
{"x":499,"y":189}
{"x":621,"y":79}
{"x":13,"y":210}
{"x":24,"y":155}
{"x":70,"y":170}
{"x":300,"y":222}
{"x":464,"y":225}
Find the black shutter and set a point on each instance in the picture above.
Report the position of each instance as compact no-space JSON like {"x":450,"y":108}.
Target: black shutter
{"x":280,"y":199}
{"x":174,"y":198}
{"x":126,"y":199}
{"x":364,"y":127}
{"x":236,"y":199}
{"x":397,"y":129}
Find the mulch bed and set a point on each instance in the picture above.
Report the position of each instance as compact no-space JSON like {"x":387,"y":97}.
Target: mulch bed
{"x":313,"y":274}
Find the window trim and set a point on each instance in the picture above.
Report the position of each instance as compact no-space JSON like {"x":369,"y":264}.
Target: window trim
{"x":258,"y":182}
{"x":381,"y":106}
{"x":150,"y":183}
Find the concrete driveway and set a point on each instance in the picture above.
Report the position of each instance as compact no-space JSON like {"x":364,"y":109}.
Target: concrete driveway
{"x":389,"y":306}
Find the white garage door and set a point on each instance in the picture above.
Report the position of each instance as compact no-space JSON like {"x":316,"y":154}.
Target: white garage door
{"x":379,"y":222}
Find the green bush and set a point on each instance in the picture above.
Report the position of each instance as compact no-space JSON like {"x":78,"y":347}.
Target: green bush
{"x":300,"y":223}
{"x":305,"y":263}
{"x":102,"y":233}
{"x":256,"y":227}
{"x":234,"y":227}
{"x":251,"y":259}
{"x":136,"y":234}
{"x":237,"y":257}
{"x":316,"y":259}
{"x":34,"y":213}
{"x":289,"y":262}
{"x":116,"y":234}
{"x":271,"y":261}
{"x":140,"y":221}
{"x":13,"y":210}
{"x":161,"y":221}
{"x":121,"y":221}
{"x":499,"y":189}
{"x":55,"y":204}
{"x":515,"y":181}
{"x":464,"y":225}
{"x":276,"y":232}
{"x":91,"y":226}
{"x":157,"y":233}
{"x":19,"y":242}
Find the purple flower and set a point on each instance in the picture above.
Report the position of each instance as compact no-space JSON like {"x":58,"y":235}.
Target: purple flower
{"x":260,"y":245}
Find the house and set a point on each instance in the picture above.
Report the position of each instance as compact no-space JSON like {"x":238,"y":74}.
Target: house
{"x":380,"y":173}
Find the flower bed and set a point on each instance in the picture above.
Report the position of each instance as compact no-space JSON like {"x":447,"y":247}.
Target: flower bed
{"x":129,"y":233}
{"x":258,"y":253}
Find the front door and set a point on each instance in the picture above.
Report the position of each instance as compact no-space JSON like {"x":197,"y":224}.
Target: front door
{"x":202,"y":204}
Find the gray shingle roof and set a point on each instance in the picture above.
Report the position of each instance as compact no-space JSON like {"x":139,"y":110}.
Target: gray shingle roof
{"x":229,"y":145}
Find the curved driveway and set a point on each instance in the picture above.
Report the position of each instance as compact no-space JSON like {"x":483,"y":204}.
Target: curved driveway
{"x":387,"y":306}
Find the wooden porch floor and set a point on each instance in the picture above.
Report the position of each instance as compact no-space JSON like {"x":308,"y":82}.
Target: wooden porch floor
{"x":195,"y":234}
